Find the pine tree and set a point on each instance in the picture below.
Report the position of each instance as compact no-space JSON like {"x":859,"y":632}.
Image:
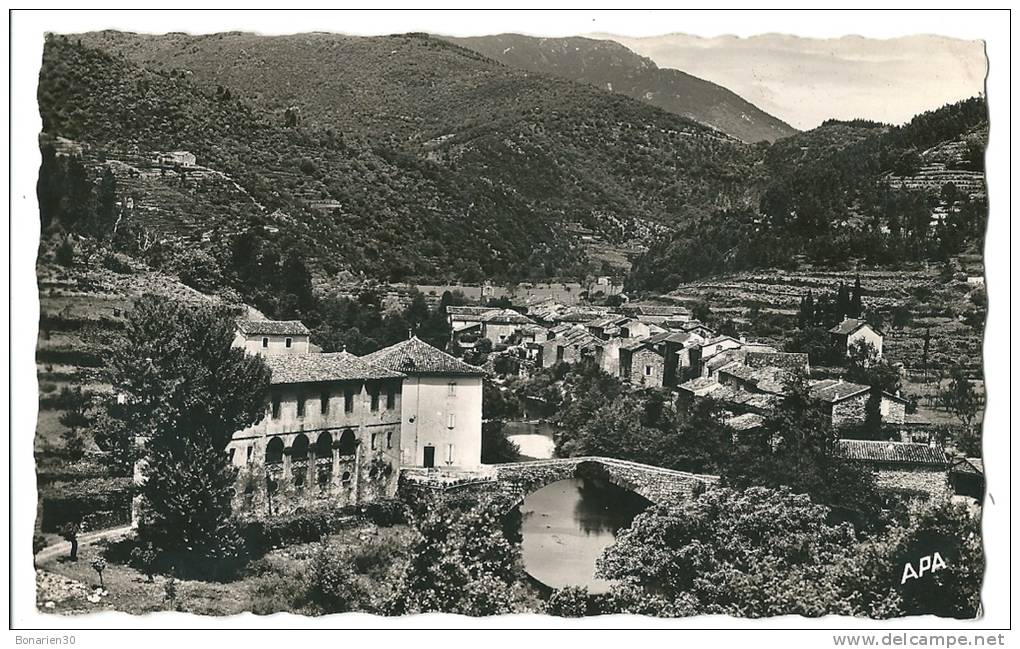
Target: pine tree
{"x":856,"y":302}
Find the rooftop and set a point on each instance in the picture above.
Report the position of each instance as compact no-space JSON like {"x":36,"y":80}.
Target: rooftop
{"x":848,"y":326}
{"x":416,"y":357}
{"x":832,"y":390}
{"x":504,"y":316}
{"x":891,"y":452}
{"x":272,"y":328}
{"x":746,"y":421}
{"x":314,"y":368}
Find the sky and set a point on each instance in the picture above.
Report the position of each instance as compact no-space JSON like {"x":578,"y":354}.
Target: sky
{"x":804,"y":81}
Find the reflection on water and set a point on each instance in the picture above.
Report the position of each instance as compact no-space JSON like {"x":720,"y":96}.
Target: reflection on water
{"x":566,"y":526}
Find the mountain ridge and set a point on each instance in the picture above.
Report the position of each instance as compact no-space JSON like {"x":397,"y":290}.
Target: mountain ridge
{"x":611,"y":66}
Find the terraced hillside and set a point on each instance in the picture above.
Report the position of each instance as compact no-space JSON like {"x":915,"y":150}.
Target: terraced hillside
{"x":935,"y":304}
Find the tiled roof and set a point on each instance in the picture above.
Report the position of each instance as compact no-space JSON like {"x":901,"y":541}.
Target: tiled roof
{"x":415,"y":357}
{"x":310,"y":368}
{"x":789,"y":360}
{"x":504,"y":316}
{"x":973,"y":465}
{"x":891,"y":452}
{"x":467,"y":310}
{"x":658,"y":309}
{"x":848,"y":326}
{"x":833,"y":391}
{"x":272,"y":328}
{"x":700,"y":385}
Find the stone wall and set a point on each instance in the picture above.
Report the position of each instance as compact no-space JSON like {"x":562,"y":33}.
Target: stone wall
{"x":850,"y":411}
{"x":929,"y":483}
{"x":639,"y":364}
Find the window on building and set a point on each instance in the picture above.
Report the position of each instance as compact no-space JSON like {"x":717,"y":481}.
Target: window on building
{"x":288,"y":342}
{"x":230,"y":456}
{"x":391,"y":397}
{"x":451,"y":420}
{"x":276,"y":406}
{"x":559,"y":354}
{"x":449,"y":453}
{"x":451,"y":388}
{"x":648,"y":370}
{"x":345,"y":478}
{"x":348,"y":442}
{"x":274,"y":451}
{"x":251,"y":451}
{"x":374,"y":437}
{"x":373,"y":393}
{"x":301,"y":405}
{"x":299,"y":449}
{"x":324,"y":446}
{"x":389,"y":439}
{"x":324,"y":402}
{"x":348,"y":400}
{"x":265,"y":342}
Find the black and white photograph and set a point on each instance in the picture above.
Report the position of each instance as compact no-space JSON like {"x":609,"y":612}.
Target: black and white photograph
{"x":576,"y":326}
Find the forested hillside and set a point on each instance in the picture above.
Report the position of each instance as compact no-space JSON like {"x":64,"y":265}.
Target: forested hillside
{"x":841,"y":192}
{"x":608,"y":65}
{"x":431,"y":160}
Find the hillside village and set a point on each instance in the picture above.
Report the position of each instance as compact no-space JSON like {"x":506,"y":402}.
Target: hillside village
{"x":382,"y":301}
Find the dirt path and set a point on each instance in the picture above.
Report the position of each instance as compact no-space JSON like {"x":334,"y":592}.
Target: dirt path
{"x":64,"y":547}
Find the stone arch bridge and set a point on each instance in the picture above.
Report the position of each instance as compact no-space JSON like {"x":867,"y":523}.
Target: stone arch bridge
{"x":516,"y":480}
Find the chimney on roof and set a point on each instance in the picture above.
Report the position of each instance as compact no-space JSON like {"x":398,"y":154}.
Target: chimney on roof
{"x":743,"y":339}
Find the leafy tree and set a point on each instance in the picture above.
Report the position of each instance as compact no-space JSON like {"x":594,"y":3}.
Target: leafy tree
{"x":756,"y":552}
{"x":960,"y":397}
{"x":461,"y":562}
{"x":796,"y":448}
{"x":813,"y":341}
{"x":571,"y":601}
{"x":183,"y":387}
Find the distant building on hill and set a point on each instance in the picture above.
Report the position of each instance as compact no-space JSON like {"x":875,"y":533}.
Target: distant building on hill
{"x":851,"y":331}
{"x":272,"y":337}
{"x":179,"y":158}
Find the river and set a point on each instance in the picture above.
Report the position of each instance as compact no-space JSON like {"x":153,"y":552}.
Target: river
{"x":565,"y":527}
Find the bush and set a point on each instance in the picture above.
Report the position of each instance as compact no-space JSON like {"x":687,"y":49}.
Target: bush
{"x":571,"y":601}
{"x":260,"y":536}
{"x":334,"y":583}
{"x":386,"y":513}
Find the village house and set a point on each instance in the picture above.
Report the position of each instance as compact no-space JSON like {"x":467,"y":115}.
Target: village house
{"x":903,"y":469}
{"x":441,"y":404}
{"x":461,"y":316}
{"x":501,"y":325}
{"x":330,"y":437}
{"x":177,"y":158}
{"x":853,"y":331}
{"x":272,"y":337}
{"x":568,"y":343}
{"x":967,"y":475}
{"x":846,"y":403}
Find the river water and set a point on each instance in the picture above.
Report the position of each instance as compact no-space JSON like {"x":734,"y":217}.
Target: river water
{"x":565,"y":527}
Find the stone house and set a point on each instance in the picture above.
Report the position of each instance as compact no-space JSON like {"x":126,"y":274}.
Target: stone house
{"x":852,"y":331}
{"x":647,"y":368}
{"x":272,"y":337}
{"x":846,"y":403}
{"x":181,"y":158}
{"x":501,"y":325}
{"x":657,"y":313}
{"x":459,"y":316}
{"x":902,"y":469}
{"x":568,"y":343}
{"x":441,"y":405}
{"x":330,"y":437}
{"x":967,"y":475}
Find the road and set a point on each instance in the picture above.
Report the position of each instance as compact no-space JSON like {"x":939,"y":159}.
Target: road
{"x":64,"y":547}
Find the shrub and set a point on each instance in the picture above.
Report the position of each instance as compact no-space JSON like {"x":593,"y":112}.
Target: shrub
{"x":386,"y":513}
{"x":334,"y":583}
{"x":571,"y":601}
{"x":260,"y":536}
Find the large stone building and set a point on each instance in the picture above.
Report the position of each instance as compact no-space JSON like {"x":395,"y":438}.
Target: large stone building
{"x":330,"y":437}
{"x":441,"y":405}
